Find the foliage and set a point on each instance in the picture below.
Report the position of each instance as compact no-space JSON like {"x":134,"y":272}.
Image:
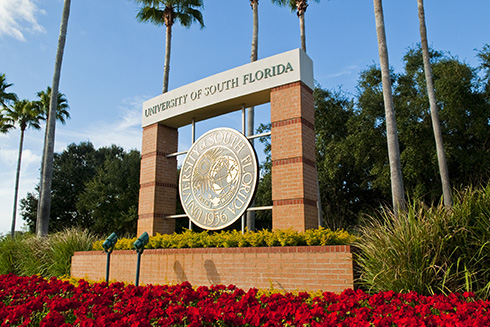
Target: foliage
{"x":43,"y":105}
{"x":35,"y":301}
{"x":263,"y":195}
{"x":28,"y":254}
{"x":62,"y":245}
{"x":110,"y":198}
{"x":484,"y":56}
{"x":5,"y":96}
{"x":8,"y":249}
{"x":348,"y":144}
{"x":165,"y":12}
{"x":352,"y":156}
{"x":233,"y":238}
{"x":24,"y":114}
{"x":110,"y":172}
{"x":429,"y":250}
{"x":298,"y":6}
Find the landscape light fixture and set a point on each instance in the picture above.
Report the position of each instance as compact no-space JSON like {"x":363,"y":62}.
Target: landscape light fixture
{"x":139,"y":246}
{"x":108,"y":246}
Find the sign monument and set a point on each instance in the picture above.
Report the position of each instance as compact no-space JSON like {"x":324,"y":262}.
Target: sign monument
{"x":219,"y":174}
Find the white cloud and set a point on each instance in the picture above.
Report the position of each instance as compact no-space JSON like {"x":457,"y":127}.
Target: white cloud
{"x":348,"y":70}
{"x":18,"y":17}
{"x":124,"y":131}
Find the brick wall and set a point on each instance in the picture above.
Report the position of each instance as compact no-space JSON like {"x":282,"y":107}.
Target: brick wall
{"x":308,"y":268}
{"x":158,"y":180}
{"x":294,"y":176}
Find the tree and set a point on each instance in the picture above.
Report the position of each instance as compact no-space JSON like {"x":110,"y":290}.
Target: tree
{"x":61,"y":112}
{"x":300,"y":7}
{"x":165,"y":12}
{"x":62,"y":105}
{"x":463,"y":114}
{"x":5,"y":124}
{"x":349,"y":143}
{"x":24,"y":114}
{"x":263,"y":195}
{"x":441,"y":155}
{"x":397,"y":189}
{"x":110,"y":198}
{"x":464,"y":119}
{"x":251,"y":111}
{"x":5,"y":97}
{"x":74,"y":169}
{"x":48,"y":152}
{"x":484,"y":56}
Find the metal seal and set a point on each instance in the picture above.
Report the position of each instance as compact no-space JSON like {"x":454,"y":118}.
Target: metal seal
{"x":218,"y":178}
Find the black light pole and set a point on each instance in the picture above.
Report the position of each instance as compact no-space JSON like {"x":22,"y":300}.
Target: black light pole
{"x":108,"y":246}
{"x":139,"y":245}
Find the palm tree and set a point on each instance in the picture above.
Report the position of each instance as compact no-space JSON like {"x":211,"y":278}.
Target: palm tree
{"x":5,"y":124}
{"x":23,"y":113}
{"x":165,"y":12}
{"x":5,"y":97}
{"x":300,"y":7}
{"x":61,"y":115}
{"x":48,"y":153}
{"x":255,"y":35}
{"x":251,"y":111}
{"x":62,"y":105}
{"x":397,"y":190}
{"x":436,"y":125}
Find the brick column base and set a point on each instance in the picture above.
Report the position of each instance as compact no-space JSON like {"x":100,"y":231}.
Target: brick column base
{"x":294,"y":177}
{"x":158,"y":180}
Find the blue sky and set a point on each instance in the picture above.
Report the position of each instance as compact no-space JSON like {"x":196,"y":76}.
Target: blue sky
{"x":113,"y":63}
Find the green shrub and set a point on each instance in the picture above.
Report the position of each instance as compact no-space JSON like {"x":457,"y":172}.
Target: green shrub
{"x":429,"y":250}
{"x":190,"y":239}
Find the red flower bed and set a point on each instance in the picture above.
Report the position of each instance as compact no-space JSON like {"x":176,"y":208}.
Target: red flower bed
{"x":34,"y":301}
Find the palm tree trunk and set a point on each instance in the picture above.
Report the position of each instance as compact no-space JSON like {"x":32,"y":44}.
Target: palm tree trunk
{"x":398,"y":197}
{"x":17,"y":178}
{"x":302,"y":31}
{"x":250,"y":111}
{"x":166,"y":67}
{"x":436,"y":125}
{"x":42,"y":174}
{"x":255,"y":34}
{"x":48,"y":154}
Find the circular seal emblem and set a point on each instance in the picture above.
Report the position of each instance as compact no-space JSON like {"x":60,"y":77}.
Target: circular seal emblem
{"x":218,"y":178}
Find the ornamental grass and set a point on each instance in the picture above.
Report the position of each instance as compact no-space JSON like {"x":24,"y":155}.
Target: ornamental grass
{"x":429,"y":250}
{"x":27,"y":254}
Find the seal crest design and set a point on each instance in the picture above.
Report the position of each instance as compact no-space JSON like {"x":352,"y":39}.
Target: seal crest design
{"x":218,"y":178}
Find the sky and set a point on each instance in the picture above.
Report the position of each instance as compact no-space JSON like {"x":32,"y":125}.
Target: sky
{"x":113,"y":63}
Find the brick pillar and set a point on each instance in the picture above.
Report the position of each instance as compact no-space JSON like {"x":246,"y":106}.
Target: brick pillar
{"x":294,"y":177}
{"x":158,"y":180}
